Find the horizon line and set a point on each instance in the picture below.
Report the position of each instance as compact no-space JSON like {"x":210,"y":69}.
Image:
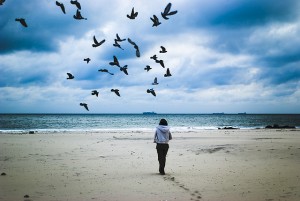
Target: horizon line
{"x":141,"y":113}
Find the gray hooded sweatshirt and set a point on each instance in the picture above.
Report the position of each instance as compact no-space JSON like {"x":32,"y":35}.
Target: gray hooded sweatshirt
{"x":162,"y":134}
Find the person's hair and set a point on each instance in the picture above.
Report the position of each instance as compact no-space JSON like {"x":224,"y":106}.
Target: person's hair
{"x":163,"y":122}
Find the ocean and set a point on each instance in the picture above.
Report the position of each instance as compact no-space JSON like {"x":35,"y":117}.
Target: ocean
{"x":56,"y":123}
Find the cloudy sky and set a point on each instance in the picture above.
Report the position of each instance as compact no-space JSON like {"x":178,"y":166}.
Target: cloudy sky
{"x":224,"y":56}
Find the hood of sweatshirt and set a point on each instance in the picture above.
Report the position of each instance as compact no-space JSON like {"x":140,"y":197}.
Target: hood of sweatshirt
{"x":162,"y":134}
{"x":163,"y":129}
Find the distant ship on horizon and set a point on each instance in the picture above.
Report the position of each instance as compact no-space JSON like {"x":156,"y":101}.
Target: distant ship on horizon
{"x":149,"y":113}
{"x":220,"y":113}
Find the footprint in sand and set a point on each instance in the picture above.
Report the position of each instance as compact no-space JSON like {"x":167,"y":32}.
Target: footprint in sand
{"x":196,"y":195}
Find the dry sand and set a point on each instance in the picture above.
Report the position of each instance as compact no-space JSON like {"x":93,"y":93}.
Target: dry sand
{"x":229,"y":165}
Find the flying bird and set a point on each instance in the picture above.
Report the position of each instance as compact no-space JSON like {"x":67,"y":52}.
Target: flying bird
{"x":155,"y":81}
{"x":116,"y":91}
{"x":62,"y":7}
{"x":137,"y":52}
{"x":87,"y":60}
{"x":132,"y":43}
{"x":161,"y":62}
{"x":155,"y":21}
{"x":105,"y":71}
{"x":22,"y":21}
{"x":78,"y":16}
{"x":96,"y":43}
{"x":167,"y":12}
{"x":84,"y":105}
{"x":133,"y":14}
{"x":70,"y":76}
{"x":115,"y":62}
{"x":124,"y":69}
{"x":163,"y":49}
{"x":116,"y":44}
{"x":76,"y":3}
{"x":135,"y":47}
{"x":95,"y":92}
{"x":151,"y":91}
{"x":118,"y":39}
{"x":1,"y":2}
{"x":168,"y":74}
{"x":147,"y":68}
{"x":154,"y":57}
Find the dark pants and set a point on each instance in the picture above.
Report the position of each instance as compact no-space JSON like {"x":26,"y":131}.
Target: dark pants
{"x":162,"y":150}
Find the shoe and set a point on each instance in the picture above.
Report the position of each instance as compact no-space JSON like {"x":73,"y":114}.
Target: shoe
{"x":162,"y":171}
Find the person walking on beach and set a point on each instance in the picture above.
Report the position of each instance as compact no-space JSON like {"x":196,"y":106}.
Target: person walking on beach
{"x":161,"y":138}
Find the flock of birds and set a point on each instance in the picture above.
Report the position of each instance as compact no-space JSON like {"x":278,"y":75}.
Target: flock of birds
{"x":76,"y":16}
{"x":117,"y":43}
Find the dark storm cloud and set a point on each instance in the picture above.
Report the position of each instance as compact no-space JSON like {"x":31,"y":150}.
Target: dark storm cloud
{"x":232,"y":23}
{"x":289,"y":58}
{"x":46,"y":25}
{"x":240,"y":13}
{"x":21,"y":78}
{"x":255,"y":12}
{"x":229,"y":75}
{"x":282,"y":75}
{"x":213,"y":46}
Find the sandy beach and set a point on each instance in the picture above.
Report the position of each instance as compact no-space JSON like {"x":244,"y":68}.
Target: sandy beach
{"x":209,"y":165}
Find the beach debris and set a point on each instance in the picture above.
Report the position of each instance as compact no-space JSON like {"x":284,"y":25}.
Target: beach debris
{"x":3,"y":174}
{"x":278,"y":126}
{"x":31,"y":132}
{"x":229,"y":127}
{"x":26,"y":196}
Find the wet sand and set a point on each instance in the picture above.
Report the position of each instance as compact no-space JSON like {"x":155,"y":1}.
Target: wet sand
{"x":228,"y":165}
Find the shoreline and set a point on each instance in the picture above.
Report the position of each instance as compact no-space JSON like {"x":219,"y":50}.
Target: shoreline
{"x":228,"y":165}
{"x":130,"y":130}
